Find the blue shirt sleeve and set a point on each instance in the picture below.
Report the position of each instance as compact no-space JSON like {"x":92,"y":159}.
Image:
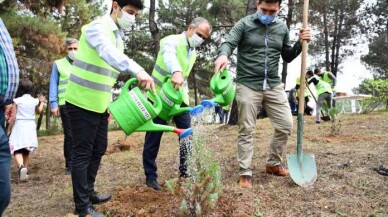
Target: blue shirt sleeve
{"x":53,"y":95}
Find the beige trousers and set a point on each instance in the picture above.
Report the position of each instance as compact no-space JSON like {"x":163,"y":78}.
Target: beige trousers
{"x":278,"y":110}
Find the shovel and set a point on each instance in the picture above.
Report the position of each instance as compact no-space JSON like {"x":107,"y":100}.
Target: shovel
{"x":303,"y":169}
{"x":324,"y":118}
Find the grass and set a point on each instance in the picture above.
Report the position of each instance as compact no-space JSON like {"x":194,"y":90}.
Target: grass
{"x":352,"y":190}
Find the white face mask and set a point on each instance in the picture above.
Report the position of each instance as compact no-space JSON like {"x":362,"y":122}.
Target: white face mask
{"x":71,"y":54}
{"x":126,"y":21}
{"x":195,"y":40}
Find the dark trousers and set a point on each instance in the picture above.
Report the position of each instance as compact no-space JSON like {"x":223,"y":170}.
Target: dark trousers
{"x":90,"y":140}
{"x":68,"y":143}
{"x":152,"y":144}
{"x":5,"y":166}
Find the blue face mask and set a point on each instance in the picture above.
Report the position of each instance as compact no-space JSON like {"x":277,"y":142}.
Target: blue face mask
{"x":266,"y":19}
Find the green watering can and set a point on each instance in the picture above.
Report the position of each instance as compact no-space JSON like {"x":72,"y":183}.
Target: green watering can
{"x":222,"y":87}
{"x":134,"y":113}
{"x":171,"y":101}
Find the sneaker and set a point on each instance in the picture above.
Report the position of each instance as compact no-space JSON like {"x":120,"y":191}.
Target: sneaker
{"x":152,"y":183}
{"x":92,"y":212}
{"x":277,"y":170}
{"x":23,"y":173}
{"x":245,"y":181}
{"x":97,"y":198}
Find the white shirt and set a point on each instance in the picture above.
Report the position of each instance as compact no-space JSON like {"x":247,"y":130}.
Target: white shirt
{"x":169,"y":53}
{"x":99,"y":39}
{"x":25,"y":107}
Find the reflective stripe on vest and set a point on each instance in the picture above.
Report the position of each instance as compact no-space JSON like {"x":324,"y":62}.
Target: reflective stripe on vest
{"x":64,"y":67}
{"x":92,"y":78}
{"x":186,"y":63}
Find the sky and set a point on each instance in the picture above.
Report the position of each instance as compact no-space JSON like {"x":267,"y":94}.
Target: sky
{"x":352,"y":69}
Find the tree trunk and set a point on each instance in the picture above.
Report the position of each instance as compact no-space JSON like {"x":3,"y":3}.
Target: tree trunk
{"x":326,"y":33}
{"x":288,"y":23}
{"x":39,"y":121}
{"x":338,"y":42}
{"x":335,"y":36}
{"x":153,"y":27}
{"x":48,"y":117}
{"x":233,"y":118}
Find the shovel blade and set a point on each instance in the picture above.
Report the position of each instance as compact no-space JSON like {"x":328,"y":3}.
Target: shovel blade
{"x":325,"y":118}
{"x":304,"y":173}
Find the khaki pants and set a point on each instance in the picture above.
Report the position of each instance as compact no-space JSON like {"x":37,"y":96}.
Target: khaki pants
{"x":278,"y":110}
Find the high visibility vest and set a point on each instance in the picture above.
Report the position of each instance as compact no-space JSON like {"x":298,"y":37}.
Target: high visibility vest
{"x":322,"y":87}
{"x":160,"y":70}
{"x":91,"y":79}
{"x":64,"y":67}
{"x":327,"y":79}
{"x":306,"y":91}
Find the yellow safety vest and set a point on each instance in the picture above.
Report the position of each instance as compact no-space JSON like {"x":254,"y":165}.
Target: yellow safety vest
{"x":64,"y":67}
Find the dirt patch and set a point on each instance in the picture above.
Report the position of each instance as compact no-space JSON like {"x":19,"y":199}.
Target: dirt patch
{"x":124,"y":144}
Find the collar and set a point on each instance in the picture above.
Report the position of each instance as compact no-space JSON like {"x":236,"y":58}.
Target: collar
{"x":112,"y":25}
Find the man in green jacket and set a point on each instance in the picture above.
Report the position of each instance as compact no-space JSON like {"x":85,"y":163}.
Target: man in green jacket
{"x":261,"y":39}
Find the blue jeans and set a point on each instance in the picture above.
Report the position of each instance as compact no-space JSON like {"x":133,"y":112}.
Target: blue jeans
{"x":5,"y":167}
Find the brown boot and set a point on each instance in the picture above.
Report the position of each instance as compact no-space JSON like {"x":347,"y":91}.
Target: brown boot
{"x":245,"y":181}
{"x":277,"y":170}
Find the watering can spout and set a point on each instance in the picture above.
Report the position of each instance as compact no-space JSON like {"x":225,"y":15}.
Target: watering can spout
{"x":150,"y":126}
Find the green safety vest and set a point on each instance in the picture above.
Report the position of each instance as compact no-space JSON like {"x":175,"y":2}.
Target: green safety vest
{"x":64,"y":67}
{"x":306,"y":91}
{"x":91,"y":78}
{"x":161,"y":71}
{"x":327,"y":79}
{"x":323,"y":87}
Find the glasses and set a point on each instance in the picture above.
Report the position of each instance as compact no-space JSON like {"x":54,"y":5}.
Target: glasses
{"x":72,"y":48}
{"x":201,"y":36}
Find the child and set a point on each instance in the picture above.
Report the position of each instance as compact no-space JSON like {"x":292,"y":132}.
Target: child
{"x":23,"y":139}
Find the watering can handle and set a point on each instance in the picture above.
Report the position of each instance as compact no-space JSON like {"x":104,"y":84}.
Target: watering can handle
{"x":157,"y":101}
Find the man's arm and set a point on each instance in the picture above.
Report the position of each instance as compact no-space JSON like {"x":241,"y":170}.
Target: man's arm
{"x":332,"y":77}
{"x":53,"y":92}
{"x":100,"y":40}
{"x":170,"y":59}
{"x":289,"y":52}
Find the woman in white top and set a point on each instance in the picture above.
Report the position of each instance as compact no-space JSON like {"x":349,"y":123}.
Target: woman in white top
{"x":23,"y":139}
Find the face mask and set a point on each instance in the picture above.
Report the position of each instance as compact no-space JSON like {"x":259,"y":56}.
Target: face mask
{"x":72,"y":54}
{"x":266,"y":19}
{"x":126,"y":21}
{"x":195,"y":40}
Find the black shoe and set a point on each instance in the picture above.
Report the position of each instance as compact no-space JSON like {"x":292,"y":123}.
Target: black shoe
{"x":317,"y":122}
{"x":92,"y":213}
{"x":96,"y":198}
{"x":153,"y":184}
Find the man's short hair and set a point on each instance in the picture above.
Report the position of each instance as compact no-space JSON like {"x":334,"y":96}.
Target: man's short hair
{"x":135,"y":3}
{"x":198,"y":20}
{"x":317,"y":71}
{"x":310,"y":73}
{"x":70,"y":41}
{"x":269,"y":1}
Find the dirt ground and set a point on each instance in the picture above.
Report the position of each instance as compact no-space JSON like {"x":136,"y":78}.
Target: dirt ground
{"x":346,"y":184}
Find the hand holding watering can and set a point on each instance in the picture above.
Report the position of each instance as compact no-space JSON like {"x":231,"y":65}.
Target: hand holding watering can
{"x":172,"y":99}
{"x":222,"y":87}
{"x":134,"y":113}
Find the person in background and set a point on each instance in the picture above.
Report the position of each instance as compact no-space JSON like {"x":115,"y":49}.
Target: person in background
{"x":218,"y":112}
{"x":99,"y":61}
{"x":23,"y":139}
{"x":58,"y":81}
{"x":324,"y":93}
{"x":293,"y":101}
{"x":307,"y":109}
{"x":261,"y":39}
{"x":176,"y":57}
{"x":328,"y":77}
{"x":225,"y":111}
{"x":9,"y":81}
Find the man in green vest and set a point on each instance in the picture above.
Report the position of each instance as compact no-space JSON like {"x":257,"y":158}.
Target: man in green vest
{"x":58,"y":81}
{"x":176,"y":57}
{"x":99,"y":61}
{"x":307,"y":109}
{"x":327,"y":77}
{"x":324,"y":93}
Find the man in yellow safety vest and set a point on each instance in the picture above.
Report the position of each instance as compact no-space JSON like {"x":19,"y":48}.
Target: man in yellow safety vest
{"x":99,"y":61}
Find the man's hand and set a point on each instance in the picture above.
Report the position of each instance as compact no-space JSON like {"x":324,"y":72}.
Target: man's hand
{"x":304,"y":34}
{"x":9,"y":113}
{"x":177,"y":79}
{"x":55,"y":112}
{"x":220,"y":63}
{"x":145,"y":81}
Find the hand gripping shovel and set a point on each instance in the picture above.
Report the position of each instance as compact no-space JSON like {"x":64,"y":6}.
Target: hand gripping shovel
{"x":303,"y":169}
